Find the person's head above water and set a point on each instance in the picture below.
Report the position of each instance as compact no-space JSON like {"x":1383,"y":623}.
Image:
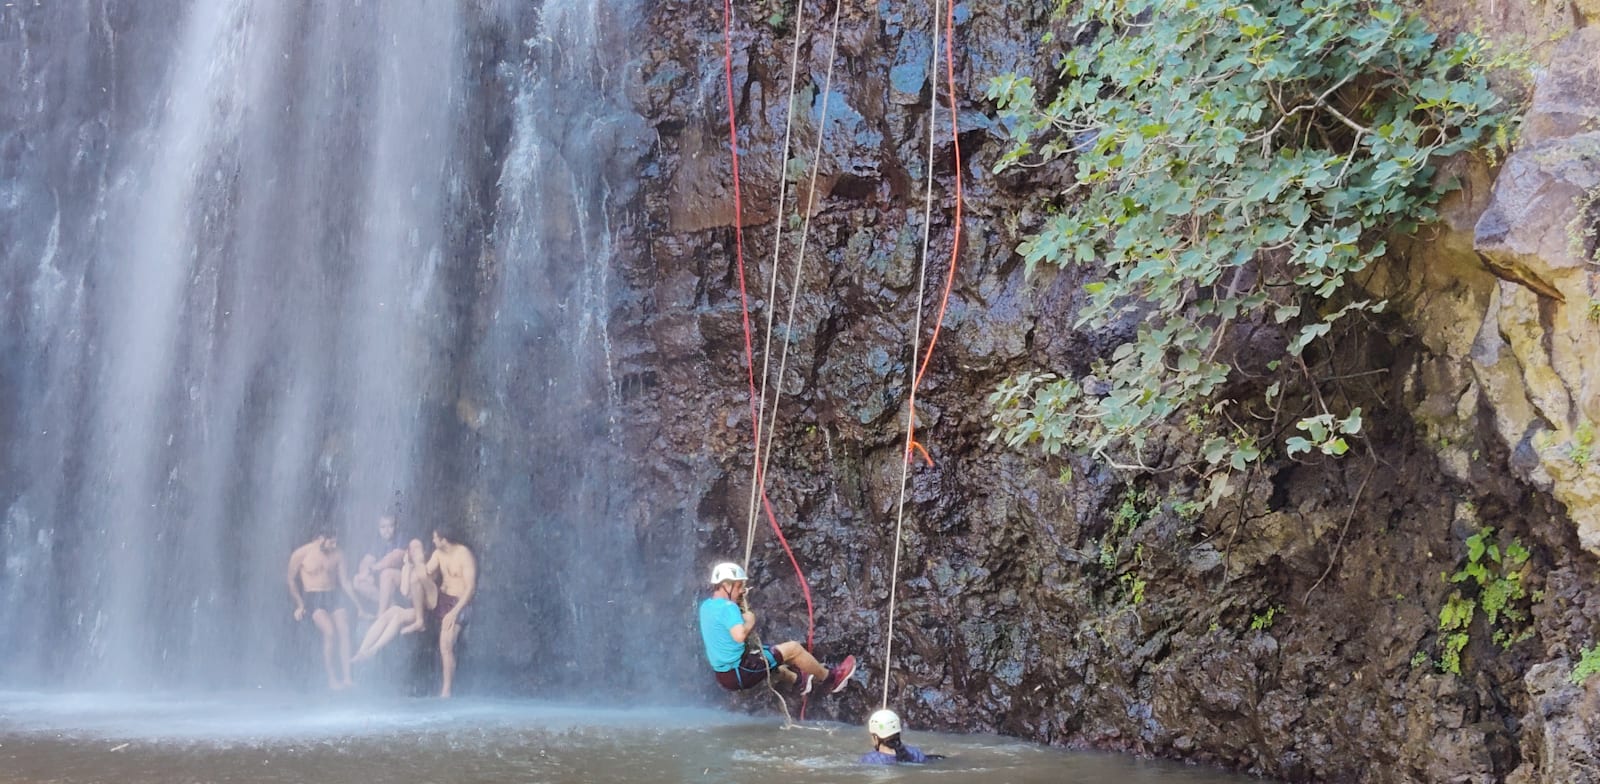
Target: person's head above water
{"x":887,"y":747}
{"x":386,"y":527}
{"x":883,"y":725}
{"x":327,"y":537}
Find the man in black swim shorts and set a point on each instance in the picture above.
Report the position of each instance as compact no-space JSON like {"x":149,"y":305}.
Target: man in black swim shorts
{"x":317,"y":578}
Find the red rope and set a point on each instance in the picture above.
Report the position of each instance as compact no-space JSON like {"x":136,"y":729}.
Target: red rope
{"x":744,"y":307}
{"x":955,"y":244}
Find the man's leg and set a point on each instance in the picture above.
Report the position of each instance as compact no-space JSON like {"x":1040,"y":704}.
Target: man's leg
{"x":388,"y":581}
{"x":373,"y":632}
{"x":341,"y":622}
{"x":324,"y":624}
{"x":383,"y":630}
{"x":795,"y":655}
{"x":397,"y":618}
{"x":364,"y":582}
{"x":424,"y":596}
{"x":447,"y":653}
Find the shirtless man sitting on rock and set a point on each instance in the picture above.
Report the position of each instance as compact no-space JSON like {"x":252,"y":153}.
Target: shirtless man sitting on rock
{"x":377,"y":578}
{"x":457,"y":570}
{"x":317,"y":578}
{"x":419,"y":589}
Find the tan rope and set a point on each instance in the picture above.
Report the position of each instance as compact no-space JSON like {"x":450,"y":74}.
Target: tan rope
{"x":757,"y":467}
{"x":766,"y":425}
{"x":916,"y":350}
{"x":800,"y":257}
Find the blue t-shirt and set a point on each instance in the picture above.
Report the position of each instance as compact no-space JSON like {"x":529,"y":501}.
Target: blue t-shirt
{"x":888,"y":758}
{"x":718,"y":616}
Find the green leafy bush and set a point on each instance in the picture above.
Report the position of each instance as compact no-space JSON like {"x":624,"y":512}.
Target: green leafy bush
{"x":1235,"y":161}
{"x":1496,"y":573}
{"x":1587,"y":666}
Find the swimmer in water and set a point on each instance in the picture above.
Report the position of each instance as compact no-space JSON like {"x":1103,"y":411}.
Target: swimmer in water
{"x":887,"y":748}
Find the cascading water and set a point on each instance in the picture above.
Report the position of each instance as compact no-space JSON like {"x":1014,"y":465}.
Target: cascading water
{"x":275,"y":265}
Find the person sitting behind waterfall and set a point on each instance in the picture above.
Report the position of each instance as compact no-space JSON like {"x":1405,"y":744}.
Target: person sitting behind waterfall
{"x":725,"y":626}
{"x":887,"y":748}
{"x":377,"y":577}
{"x":418,"y":588}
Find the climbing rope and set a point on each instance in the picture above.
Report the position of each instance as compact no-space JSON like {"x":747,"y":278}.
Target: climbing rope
{"x":760,"y":418}
{"x":744,"y":300}
{"x":758,"y":483}
{"x":765,"y":453}
{"x":764,"y":450}
{"x":758,"y":467}
{"x":955,"y":248}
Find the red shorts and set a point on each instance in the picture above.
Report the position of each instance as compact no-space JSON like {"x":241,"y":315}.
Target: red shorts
{"x":447,"y":603}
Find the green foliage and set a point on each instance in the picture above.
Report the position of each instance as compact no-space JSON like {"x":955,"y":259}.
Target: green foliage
{"x":1263,"y":620}
{"x":1581,"y":449}
{"x":1454,"y":619}
{"x":1132,"y":511}
{"x":1132,"y":587}
{"x":1188,"y":511}
{"x":1327,"y":434}
{"x":1587,"y":666}
{"x":1236,"y":161}
{"x":1496,"y":574}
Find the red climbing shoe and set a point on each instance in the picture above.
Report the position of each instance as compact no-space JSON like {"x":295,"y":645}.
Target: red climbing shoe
{"x":802,"y":685}
{"x":839,"y":675}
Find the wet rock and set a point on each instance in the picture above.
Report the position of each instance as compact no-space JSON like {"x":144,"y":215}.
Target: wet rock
{"x":1540,"y":363}
{"x":1559,"y":731}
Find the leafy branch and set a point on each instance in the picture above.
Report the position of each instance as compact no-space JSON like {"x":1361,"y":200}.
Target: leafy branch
{"x":1235,"y":161}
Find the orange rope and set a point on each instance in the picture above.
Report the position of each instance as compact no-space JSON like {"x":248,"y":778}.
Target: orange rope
{"x":955,"y":242}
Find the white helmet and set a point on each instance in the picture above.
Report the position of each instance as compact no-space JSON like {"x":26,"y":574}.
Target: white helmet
{"x":884,"y":724}
{"x":723,"y":572}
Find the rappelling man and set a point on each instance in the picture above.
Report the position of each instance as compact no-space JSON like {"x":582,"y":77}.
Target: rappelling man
{"x":727,"y":626}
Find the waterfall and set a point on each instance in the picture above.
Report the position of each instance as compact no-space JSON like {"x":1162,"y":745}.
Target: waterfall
{"x":275,"y":265}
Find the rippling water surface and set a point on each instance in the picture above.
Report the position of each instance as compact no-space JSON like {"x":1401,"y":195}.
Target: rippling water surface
{"x":96,"y":738}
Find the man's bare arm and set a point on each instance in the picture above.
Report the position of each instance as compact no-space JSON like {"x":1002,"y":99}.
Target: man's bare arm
{"x":344,"y":583}
{"x":742,"y":631}
{"x":295,"y":558}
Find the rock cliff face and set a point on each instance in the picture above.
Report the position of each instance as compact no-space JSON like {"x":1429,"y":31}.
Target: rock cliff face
{"x":1504,"y":298}
{"x":1288,"y":632}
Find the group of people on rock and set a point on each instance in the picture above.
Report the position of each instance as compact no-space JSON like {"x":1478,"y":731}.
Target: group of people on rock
{"x":396,"y":590}
{"x":738,"y":661}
